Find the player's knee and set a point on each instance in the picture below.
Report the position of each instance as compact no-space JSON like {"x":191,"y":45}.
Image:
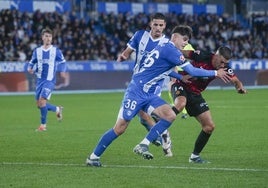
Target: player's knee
{"x":119,"y":131}
{"x":120,"y":127}
{"x":171,"y":116}
{"x":40,"y":105}
{"x":41,"y":102}
{"x":179,"y":105}
{"x":209,"y":128}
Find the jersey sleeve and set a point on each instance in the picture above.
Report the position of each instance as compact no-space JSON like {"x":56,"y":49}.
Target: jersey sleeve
{"x":33,"y":60}
{"x":59,"y":56}
{"x":61,"y":67}
{"x":133,"y":43}
{"x":173,"y":55}
{"x":198,"y":72}
{"x":230,"y":71}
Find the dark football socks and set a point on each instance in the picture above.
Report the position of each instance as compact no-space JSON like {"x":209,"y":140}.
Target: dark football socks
{"x":200,"y":142}
{"x":175,"y":110}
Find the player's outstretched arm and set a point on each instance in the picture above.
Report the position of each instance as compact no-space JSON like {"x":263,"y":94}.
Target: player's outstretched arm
{"x":238,"y":85}
{"x":31,"y":71}
{"x":198,"y":72}
{"x":30,"y":68}
{"x":65,"y":80}
{"x":183,"y":78}
{"x":124,"y":55}
{"x":223,"y":75}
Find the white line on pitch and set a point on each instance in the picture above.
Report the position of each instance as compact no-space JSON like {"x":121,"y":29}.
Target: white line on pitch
{"x":138,"y":166}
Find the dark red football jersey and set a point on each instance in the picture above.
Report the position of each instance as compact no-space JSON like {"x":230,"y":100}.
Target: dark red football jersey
{"x":201,"y":60}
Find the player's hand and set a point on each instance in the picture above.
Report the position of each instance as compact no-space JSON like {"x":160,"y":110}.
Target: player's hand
{"x":121,"y":58}
{"x":31,"y":71}
{"x":223,"y":75}
{"x":241,"y":91}
{"x":186,"y":79}
{"x":62,"y":85}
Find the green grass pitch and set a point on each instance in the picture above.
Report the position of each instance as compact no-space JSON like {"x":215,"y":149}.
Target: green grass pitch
{"x":238,"y":149}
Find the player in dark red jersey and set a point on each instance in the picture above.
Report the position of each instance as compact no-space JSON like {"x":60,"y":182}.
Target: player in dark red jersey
{"x":189,"y":95}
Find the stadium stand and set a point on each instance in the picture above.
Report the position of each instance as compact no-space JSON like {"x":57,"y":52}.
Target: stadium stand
{"x":103,"y":36}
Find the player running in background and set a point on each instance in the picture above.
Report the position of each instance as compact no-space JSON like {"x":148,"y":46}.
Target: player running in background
{"x":143,"y":42}
{"x":142,"y":93}
{"x":189,"y":95}
{"x":45,"y":61}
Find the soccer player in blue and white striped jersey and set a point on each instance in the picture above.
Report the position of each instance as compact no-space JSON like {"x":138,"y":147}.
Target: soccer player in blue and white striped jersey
{"x":141,"y":93}
{"x":45,"y":62}
{"x":142,"y":43}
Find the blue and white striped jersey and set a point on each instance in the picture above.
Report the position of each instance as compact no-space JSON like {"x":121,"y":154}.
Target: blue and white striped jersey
{"x":160,"y":63}
{"x":143,"y":43}
{"x":47,"y":62}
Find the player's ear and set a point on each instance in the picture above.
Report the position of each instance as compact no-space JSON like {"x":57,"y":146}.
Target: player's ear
{"x":150,"y":24}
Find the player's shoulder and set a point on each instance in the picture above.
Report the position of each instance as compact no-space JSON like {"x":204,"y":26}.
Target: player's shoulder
{"x":229,"y":70}
{"x":138,"y":35}
{"x":202,"y":55}
{"x":169,"y":44}
{"x":165,"y":45}
{"x":38,"y":49}
{"x":169,"y":49}
{"x":163,"y":39}
{"x":141,"y":32}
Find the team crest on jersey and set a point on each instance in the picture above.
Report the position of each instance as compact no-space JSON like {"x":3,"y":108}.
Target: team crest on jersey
{"x":230,"y":71}
{"x":129,"y":113}
{"x":177,"y":91}
{"x":182,"y":58}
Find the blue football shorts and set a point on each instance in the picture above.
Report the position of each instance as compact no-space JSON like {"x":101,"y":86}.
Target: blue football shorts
{"x":44,"y":89}
{"x":135,"y":100}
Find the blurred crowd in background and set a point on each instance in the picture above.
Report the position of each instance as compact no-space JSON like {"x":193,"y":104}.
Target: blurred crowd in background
{"x":104,"y":36}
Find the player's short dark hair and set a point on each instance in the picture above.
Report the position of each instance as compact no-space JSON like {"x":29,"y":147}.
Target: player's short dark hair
{"x":225,"y":51}
{"x":158,"y":16}
{"x":183,"y":30}
{"x":46,"y":30}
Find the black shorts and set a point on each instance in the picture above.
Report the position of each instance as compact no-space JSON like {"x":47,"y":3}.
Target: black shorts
{"x":195,"y":104}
